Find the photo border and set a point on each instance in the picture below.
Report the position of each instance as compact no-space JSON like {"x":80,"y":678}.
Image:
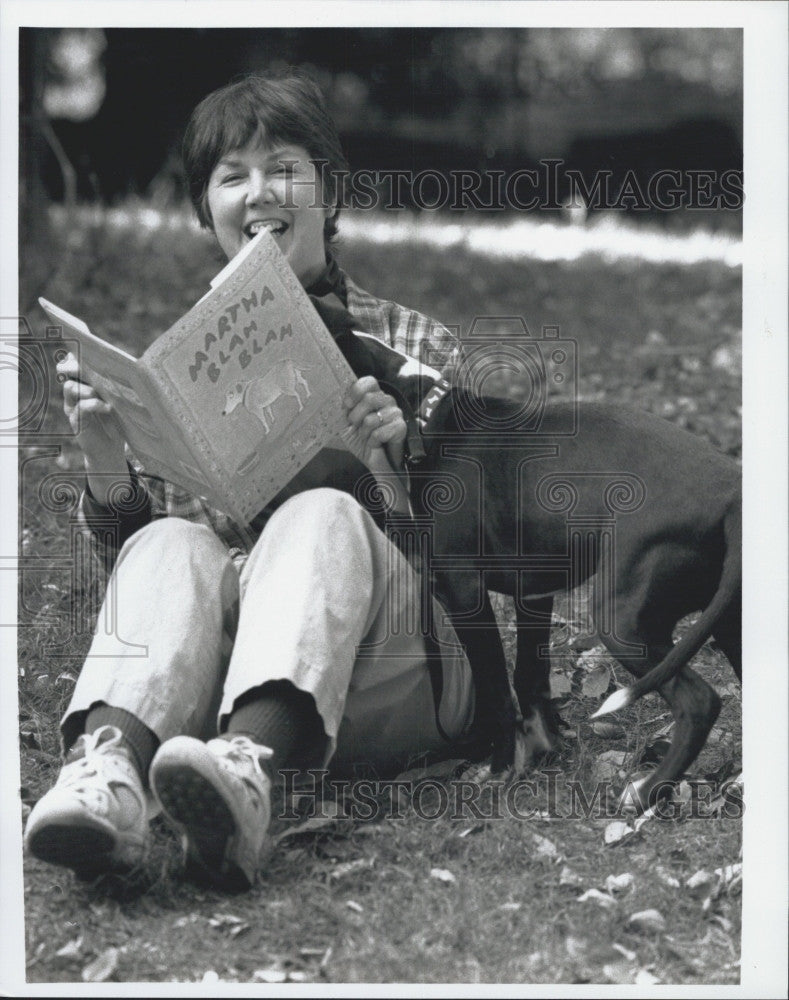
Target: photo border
{"x":764,"y":444}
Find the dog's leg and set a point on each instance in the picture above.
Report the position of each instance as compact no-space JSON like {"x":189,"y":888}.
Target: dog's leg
{"x":695,"y":707}
{"x":693,"y":704}
{"x":532,"y":677}
{"x":476,"y":627}
{"x":728,"y":635}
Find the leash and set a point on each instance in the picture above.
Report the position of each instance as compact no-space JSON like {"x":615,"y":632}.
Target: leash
{"x":339,"y":321}
{"x":416,"y":423}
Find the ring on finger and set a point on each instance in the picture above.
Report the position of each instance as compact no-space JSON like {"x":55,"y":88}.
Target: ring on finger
{"x":380,"y":416}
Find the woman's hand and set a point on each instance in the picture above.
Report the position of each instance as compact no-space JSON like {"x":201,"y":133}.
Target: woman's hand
{"x":377,"y":420}
{"x":95,"y":428}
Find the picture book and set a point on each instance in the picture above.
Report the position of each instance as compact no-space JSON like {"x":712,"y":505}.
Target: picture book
{"x":238,"y":395}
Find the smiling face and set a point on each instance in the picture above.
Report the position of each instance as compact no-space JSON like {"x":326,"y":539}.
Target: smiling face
{"x":276,"y":187}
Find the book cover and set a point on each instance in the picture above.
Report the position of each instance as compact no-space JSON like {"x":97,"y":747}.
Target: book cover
{"x":238,"y":395}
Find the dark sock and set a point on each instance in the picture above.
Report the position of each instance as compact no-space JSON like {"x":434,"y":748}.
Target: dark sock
{"x":139,"y":739}
{"x":281,"y":717}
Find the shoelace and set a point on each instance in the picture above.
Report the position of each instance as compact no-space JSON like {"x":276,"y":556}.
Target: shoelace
{"x":90,"y":744}
{"x":242,"y":749}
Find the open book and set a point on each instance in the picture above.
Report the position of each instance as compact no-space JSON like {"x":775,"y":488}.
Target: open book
{"x":238,"y":395}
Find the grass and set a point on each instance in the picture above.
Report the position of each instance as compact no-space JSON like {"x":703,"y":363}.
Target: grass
{"x":354,"y":901}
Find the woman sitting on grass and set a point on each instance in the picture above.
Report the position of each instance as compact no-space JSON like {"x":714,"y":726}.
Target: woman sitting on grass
{"x":296,"y":650}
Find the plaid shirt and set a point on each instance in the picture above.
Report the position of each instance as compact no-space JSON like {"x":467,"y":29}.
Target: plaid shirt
{"x":403,"y":329}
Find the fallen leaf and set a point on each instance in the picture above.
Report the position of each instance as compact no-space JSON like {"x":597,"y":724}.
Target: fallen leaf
{"x":647,"y":920}
{"x":477,"y":828}
{"x":544,"y":848}
{"x":348,"y":867}
{"x":297,"y":977}
{"x":666,"y":877}
{"x":645,"y":817}
{"x":620,"y":973}
{"x":71,"y":949}
{"x":729,"y":873}
{"x":510,"y":906}
{"x":595,"y":896}
{"x":224,"y":920}
{"x":561,"y":684}
{"x":353,"y":905}
{"x":568,"y":876}
{"x":101,"y":968}
{"x":608,"y":730}
{"x":209,"y":976}
{"x":644,"y":978}
{"x":616,"y":831}
{"x":699,"y":882}
{"x":625,"y":952}
{"x":596,"y":683}
{"x":269,"y":976}
{"x":618,"y":883}
{"x":608,"y":764}
{"x":442,"y":874}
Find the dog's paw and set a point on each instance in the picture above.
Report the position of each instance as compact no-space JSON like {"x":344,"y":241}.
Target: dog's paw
{"x":533,"y":739}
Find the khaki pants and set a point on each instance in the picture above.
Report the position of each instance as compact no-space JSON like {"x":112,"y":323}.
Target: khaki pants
{"x":324,"y":600}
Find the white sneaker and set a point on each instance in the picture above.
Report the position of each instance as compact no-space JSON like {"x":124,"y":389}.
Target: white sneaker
{"x":218,"y":798}
{"x":94,"y":819}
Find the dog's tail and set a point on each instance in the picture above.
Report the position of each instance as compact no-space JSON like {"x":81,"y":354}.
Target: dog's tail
{"x":692,"y":641}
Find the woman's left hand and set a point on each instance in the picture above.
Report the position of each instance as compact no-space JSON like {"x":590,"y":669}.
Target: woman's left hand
{"x":377,"y":420}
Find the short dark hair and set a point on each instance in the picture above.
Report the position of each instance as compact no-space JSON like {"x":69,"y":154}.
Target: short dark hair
{"x":286,"y":107}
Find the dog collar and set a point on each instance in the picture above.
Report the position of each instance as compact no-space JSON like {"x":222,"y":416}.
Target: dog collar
{"x":418,"y":423}
{"x":431,"y":401}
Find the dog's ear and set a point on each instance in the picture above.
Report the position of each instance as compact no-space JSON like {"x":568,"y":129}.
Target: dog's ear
{"x":357,"y":354}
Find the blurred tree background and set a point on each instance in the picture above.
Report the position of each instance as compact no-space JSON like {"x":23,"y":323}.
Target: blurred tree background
{"x":102,"y":112}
